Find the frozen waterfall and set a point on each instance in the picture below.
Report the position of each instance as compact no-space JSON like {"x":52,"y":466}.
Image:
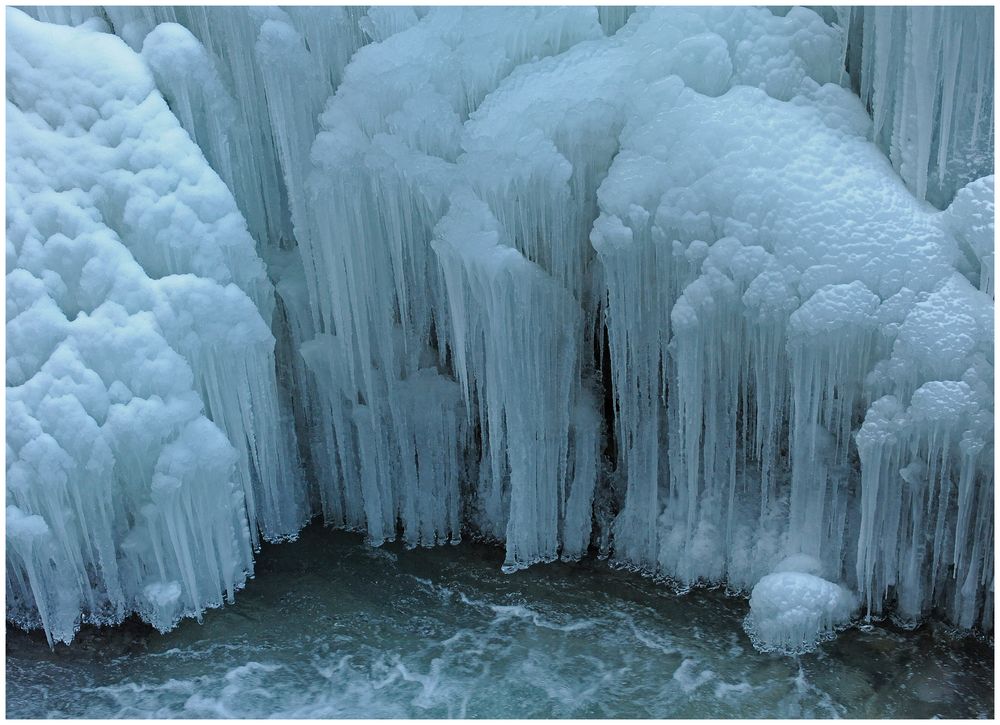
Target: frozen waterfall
{"x":708,"y":291}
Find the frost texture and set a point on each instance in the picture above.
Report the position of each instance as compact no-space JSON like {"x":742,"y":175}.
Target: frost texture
{"x":651,"y":281}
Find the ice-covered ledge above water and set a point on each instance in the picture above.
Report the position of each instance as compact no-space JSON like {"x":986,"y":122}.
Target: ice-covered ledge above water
{"x":540,"y":278}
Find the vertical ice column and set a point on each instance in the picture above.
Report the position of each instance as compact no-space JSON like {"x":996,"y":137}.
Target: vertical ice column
{"x":333,"y":34}
{"x":197,"y":529}
{"x":768,"y":301}
{"x":232,"y":355}
{"x":830,"y":341}
{"x":297,"y":81}
{"x":374,"y":295}
{"x":708,"y":372}
{"x":27,"y":540}
{"x":577,"y":512}
{"x":613,"y":17}
{"x":712,"y":349}
{"x":295,"y":89}
{"x":535,"y":151}
{"x":333,"y":443}
{"x":401,"y":461}
{"x":637,"y":273}
{"x":523,"y":378}
{"x":410,"y":446}
{"x":926,"y":504}
{"x":430,"y":504}
{"x":384,"y":164}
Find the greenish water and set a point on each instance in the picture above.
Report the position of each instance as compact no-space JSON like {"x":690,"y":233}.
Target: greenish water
{"x":332,"y":628}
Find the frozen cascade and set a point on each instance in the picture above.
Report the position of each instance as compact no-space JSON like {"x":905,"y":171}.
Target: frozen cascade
{"x":477,"y":218}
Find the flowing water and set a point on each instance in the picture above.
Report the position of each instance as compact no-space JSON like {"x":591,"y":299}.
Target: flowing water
{"x":333,"y":628}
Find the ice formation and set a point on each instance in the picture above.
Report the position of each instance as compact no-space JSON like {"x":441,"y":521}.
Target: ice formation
{"x":136,"y":307}
{"x":651,"y":282}
{"x":792,"y":609}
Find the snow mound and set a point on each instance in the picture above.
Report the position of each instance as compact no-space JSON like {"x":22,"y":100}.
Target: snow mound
{"x":791,"y":612}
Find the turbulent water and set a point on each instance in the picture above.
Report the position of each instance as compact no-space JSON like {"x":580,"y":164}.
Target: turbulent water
{"x":333,"y":628}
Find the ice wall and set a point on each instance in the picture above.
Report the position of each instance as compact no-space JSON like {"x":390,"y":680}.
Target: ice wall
{"x":632,"y":280}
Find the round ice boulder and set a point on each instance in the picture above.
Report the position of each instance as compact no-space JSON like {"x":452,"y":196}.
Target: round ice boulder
{"x":792,"y":611}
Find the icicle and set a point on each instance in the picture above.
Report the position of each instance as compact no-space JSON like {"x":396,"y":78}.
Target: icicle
{"x":829,"y":348}
{"x":577,"y":512}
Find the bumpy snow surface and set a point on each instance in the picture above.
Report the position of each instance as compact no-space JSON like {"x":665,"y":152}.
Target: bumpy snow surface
{"x":654,"y":283}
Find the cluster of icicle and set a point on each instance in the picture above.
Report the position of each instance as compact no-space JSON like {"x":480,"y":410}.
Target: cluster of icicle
{"x":933,"y":113}
{"x":560,"y":280}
